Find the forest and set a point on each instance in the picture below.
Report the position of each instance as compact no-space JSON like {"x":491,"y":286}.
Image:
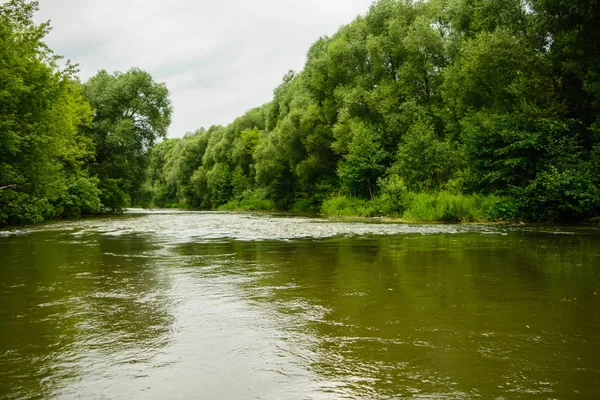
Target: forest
{"x":440,"y":110}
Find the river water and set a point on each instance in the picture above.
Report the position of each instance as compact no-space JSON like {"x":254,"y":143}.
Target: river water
{"x":210,"y":305}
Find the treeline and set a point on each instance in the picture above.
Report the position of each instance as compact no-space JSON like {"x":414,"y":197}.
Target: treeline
{"x":447,"y":110}
{"x":438,"y":110}
{"x":68,"y":148}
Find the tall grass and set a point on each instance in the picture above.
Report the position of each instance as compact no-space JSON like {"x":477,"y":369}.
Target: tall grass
{"x":249,"y":205}
{"x":342,"y":206}
{"x":447,"y":207}
{"x":426,"y":207}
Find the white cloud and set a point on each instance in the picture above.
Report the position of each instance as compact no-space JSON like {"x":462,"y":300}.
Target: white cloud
{"x":219,"y":58}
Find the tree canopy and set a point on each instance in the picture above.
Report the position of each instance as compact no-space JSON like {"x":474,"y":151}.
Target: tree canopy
{"x":131,"y":112}
{"x":466,"y":97}
{"x":68,"y":149}
{"x":416,"y":103}
{"x":42,"y":112}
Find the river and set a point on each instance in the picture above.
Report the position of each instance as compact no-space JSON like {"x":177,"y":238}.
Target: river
{"x":210,"y":305}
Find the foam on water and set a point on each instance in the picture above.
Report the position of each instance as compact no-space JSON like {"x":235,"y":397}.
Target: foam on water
{"x":192,"y":226}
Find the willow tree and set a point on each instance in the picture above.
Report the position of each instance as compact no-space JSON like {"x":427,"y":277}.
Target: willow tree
{"x":132,"y":111}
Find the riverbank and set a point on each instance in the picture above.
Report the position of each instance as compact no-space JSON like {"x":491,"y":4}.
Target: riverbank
{"x":408,"y":207}
{"x":425,"y":207}
{"x":421,"y":208}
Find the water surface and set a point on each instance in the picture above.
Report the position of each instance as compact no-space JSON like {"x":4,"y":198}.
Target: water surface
{"x":236,"y":306}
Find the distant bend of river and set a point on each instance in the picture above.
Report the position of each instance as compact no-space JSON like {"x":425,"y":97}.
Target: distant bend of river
{"x":213,"y":305}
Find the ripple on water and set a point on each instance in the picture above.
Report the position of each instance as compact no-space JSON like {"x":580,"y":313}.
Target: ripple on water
{"x":192,"y":226}
{"x":145,"y":309}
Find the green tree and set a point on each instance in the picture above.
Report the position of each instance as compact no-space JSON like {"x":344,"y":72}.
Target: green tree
{"x":363,"y":164}
{"x":131,"y":113}
{"x":495,"y":98}
{"x":42,"y":111}
{"x":423,"y":160}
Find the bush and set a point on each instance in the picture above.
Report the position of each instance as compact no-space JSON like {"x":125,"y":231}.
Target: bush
{"x":342,"y":206}
{"x":394,"y":196}
{"x":249,"y":205}
{"x":502,"y":208}
{"x":423,"y":207}
{"x":114,"y":196}
{"x":219,"y":183}
{"x":145,"y":196}
{"x":302,"y":205}
{"x":21,"y":208}
{"x":425,"y":161}
{"x":82,"y":197}
{"x":555,"y":195}
{"x":251,"y":201}
{"x":448,"y":207}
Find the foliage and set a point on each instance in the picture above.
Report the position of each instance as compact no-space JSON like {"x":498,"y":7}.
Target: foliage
{"x":342,"y":206}
{"x":363,"y":164}
{"x":450,"y":111}
{"x":448,"y":207}
{"x":425,"y":110}
{"x":423,"y":207}
{"x":131,"y":113}
{"x":423,"y":160}
{"x":249,"y":205}
{"x":82,"y":197}
{"x":43,"y":152}
{"x":558,"y":195}
{"x":394,"y":196}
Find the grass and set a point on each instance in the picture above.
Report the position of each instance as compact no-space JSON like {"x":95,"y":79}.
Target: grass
{"x":342,"y":206}
{"x":249,"y":205}
{"x":426,"y":207}
{"x":447,"y":207}
{"x":177,"y":206}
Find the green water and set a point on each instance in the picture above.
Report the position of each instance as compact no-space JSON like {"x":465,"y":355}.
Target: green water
{"x":186,"y":305}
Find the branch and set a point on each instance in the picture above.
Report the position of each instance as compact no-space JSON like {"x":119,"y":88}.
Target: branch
{"x":8,"y":187}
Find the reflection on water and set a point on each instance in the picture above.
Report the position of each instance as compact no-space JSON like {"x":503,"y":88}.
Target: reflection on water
{"x":222,"y":305}
{"x":73,"y":309}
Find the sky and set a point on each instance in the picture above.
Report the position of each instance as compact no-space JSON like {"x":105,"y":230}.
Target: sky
{"x":219,"y":58}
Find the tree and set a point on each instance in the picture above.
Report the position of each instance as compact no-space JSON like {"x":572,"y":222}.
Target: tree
{"x":496,"y":98}
{"x":363,"y":164}
{"x":132,"y":111}
{"x":42,"y":111}
{"x":423,"y":160}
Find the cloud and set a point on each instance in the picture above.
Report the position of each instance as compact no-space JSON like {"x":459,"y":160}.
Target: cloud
{"x":219,"y":58}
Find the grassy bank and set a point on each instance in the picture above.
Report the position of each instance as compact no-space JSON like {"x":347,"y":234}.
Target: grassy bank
{"x":249,"y":205}
{"x":425,"y":207}
{"x":410,"y":207}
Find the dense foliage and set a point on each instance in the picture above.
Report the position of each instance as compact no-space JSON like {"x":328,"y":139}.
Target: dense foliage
{"x":454,"y":110}
{"x":68,"y":149}
{"x":131,"y":112}
{"x":489,"y":107}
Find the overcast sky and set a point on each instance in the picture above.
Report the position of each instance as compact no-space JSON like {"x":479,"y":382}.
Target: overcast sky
{"x":219,"y":58}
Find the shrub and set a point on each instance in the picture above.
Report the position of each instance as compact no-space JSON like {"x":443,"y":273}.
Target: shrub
{"x":254,"y":200}
{"x":394,"y":196}
{"x":113,"y":194}
{"x":302,"y":205}
{"x":82,"y":197}
{"x":342,"y":206}
{"x":21,"y":208}
{"x":425,"y":161}
{"x":502,"y":208}
{"x":448,"y":207}
{"x":555,"y":195}
{"x":249,"y":205}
